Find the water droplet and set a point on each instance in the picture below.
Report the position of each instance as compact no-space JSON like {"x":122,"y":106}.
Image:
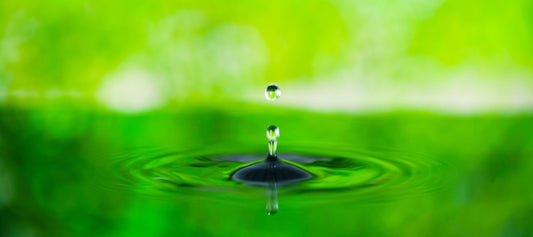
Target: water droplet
{"x":272,"y":92}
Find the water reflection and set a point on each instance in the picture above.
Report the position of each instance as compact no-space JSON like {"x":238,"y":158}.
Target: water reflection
{"x":272,"y":199}
{"x":271,"y":173}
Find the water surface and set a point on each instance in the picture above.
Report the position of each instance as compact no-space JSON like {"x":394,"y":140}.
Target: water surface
{"x":81,"y":173}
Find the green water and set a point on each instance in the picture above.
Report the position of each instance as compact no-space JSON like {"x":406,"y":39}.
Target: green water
{"x":85,"y":173}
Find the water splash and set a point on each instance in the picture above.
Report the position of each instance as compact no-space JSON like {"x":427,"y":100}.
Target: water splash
{"x":340,"y":174}
{"x":272,"y":134}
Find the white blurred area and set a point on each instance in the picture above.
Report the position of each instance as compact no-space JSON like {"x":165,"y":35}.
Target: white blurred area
{"x":131,"y":91}
{"x":459,"y":95}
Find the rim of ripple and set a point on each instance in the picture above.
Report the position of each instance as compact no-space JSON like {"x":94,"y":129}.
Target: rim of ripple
{"x":372,"y":175}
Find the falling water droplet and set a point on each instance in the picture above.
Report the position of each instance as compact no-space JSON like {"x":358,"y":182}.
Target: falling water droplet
{"x":272,"y":92}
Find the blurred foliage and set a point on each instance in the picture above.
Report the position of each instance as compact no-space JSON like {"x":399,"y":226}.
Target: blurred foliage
{"x":73,"y":43}
{"x":482,"y":29}
{"x":196,"y":50}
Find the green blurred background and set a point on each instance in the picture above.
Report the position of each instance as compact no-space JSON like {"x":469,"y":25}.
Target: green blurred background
{"x":82,"y":82}
{"x":449,"y":56}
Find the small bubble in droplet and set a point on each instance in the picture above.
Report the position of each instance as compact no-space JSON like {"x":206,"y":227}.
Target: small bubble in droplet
{"x":272,"y":133}
{"x":272,"y":92}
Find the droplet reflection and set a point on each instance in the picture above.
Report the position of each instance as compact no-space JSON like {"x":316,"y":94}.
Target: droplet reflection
{"x":272,"y":199}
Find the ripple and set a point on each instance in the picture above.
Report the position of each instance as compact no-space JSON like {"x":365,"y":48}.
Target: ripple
{"x":338,"y":174}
